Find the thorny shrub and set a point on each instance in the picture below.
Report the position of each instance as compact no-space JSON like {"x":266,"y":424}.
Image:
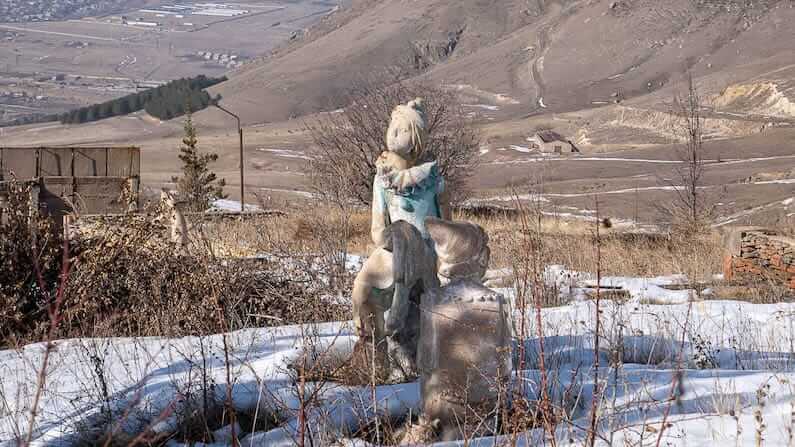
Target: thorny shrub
{"x":130,"y":280}
{"x":29,"y":260}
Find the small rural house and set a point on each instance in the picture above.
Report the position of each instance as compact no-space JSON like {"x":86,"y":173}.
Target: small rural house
{"x":548,"y":141}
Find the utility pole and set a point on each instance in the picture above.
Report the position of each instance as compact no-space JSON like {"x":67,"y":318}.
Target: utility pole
{"x":240,"y":133}
{"x":635,"y":213}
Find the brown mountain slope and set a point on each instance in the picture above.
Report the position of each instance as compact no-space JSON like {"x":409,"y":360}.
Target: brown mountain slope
{"x":558,"y":55}
{"x":382,"y":36}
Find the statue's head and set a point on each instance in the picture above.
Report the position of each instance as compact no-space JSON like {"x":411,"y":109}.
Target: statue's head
{"x":407,"y":131}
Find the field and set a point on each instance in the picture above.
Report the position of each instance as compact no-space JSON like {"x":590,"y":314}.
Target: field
{"x":81,"y":61}
{"x":628,"y":182}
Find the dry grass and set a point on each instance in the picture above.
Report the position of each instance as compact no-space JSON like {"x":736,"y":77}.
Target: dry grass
{"x":302,"y":253}
{"x":571,"y":243}
{"x":566,"y":242}
{"x":762,"y":292}
{"x":299,"y":230}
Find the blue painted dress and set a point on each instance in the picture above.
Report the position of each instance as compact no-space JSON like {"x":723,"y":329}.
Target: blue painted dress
{"x":410,"y":195}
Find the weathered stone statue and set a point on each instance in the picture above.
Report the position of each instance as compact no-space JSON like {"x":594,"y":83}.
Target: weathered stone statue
{"x":419,"y":296}
{"x":403,"y":265}
{"x":176,"y":220}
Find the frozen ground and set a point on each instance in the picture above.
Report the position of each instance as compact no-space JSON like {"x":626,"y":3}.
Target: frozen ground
{"x":222,"y":205}
{"x":732,"y":355}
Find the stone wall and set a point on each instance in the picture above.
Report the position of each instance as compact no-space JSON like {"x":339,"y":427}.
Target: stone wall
{"x":762,"y":255}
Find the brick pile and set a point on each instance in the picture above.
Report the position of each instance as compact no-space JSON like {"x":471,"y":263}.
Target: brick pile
{"x":765,"y":256}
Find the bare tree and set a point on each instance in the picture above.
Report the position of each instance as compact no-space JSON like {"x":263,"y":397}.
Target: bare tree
{"x":693,"y":208}
{"x":349,"y":141}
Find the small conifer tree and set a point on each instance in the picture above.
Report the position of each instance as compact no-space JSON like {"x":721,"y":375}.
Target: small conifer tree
{"x":198,"y":186}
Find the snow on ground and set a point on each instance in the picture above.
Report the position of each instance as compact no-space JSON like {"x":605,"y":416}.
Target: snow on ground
{"x":231,"y":206}
{"x":572,"y":158}
{"x":731,"y":352}
{"x":732,"y":218}
{"x":306,"y":194}
{"x":286,"y":153}
{"x":483,"y":106}
{"x":523,"y":149}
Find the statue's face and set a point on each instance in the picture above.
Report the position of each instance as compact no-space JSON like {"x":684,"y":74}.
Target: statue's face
{"x":398,"y":138}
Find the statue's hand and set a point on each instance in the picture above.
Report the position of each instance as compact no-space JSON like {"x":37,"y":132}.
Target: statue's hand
{"x":383,"y":170}
{"x":382,"y":164}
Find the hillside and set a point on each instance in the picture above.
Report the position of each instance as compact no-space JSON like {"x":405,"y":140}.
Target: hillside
{"x":602,"y":73}
{"x":540,"y":56}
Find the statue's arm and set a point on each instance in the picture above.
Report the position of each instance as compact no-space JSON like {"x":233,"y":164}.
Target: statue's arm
{"x":380,"y":218}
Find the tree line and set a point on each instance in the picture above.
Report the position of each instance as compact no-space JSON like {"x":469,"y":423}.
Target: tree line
{"x":165,"y":102}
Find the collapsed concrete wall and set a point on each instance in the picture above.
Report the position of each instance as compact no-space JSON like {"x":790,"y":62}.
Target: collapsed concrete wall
{"x":97,"y":180}
{"x":761,"y":255}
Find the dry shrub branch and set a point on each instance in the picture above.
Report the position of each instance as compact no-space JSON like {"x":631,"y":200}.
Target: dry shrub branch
{"x":29,"y":263}
{"x":348,"y":142}
{"x":693,"y":208}
{"x":129,"y":280}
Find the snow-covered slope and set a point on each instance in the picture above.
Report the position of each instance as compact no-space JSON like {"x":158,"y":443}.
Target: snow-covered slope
{"x":733,"y":354}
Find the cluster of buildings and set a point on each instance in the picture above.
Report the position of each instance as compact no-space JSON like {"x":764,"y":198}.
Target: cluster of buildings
{"x":224,"y":59}
{"x":43,"y":10}
{"x":178,"y":14}
{"x":180,"y":11}
{"x":20,"y":95}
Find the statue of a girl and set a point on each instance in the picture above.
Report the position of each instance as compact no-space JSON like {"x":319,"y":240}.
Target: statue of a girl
{"x":407,"y":190}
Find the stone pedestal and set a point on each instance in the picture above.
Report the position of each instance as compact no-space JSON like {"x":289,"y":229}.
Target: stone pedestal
{"x":464,"y":357}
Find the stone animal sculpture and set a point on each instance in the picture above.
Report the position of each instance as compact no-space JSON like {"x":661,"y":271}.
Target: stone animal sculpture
{"x":462,"y":249}
{"x":175,"y":219}
{"x":414,"y":273}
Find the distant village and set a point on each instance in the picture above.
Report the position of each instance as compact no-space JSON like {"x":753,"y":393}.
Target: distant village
{"x":19,"y":11}
{"x":43,"y":10}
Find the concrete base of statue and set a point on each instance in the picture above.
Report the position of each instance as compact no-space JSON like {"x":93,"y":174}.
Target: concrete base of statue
{"x":464,"y":357}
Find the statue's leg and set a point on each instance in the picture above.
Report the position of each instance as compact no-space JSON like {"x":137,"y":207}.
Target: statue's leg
{"x":370,"y":295}
{"x":369,"y":309}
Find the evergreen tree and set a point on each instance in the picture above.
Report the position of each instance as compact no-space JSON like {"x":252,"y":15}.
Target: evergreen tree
{"x":164,"y":102}
{"x":198,"y":186}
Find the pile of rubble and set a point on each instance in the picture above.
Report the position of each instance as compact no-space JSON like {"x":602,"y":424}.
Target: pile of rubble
{"x":762,"y":255}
